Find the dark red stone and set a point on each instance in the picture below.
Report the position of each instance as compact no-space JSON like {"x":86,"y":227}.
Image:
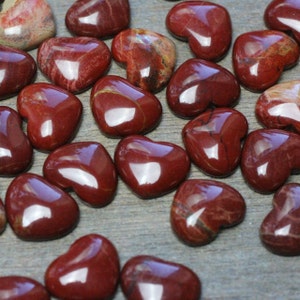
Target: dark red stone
{"x":37,"y":210}
{"x":206,"y":26}
{"x":74,"y":63}
{"x":122,"y":109}
{"x":87,"y":168}
{"x":268,"y":158}
{"x":88,"y":270}
{"x":198,"y":84}
{"x":148,"y":277}
{"x":213,"y":140}
{"x":2,"y":217}
{"x":260,"y":57}
{"x":150,"y":168}
{"x":53,"y":114}
{"x":149,"y":57}
{"x":15,"y":148}
{"x":100,"y":18}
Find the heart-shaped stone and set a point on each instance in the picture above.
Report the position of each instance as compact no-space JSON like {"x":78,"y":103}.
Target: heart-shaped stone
{"x":74,"y":63}
{"x":206,"y":26}
{"x":260,"y":57}
{"x":201,"y":208}
{"x":24,"y":24}
{"x":149,"y":57}
{"x":122,"y":109}
{"x":88,"y":270}
{"x":37,"y":210}
{"x":15,"y":148}
{"x":87,"y":168}
{"x":213,"y":140}
{"x":198,"y":84}
{"x":146,"y":277}
{"x":53,"y":114}
{"x":150,"y":168}
{"x":268,"y":158}
{"x":279,"y":106}
{"x":2,"y":217}
{"x":100,"y":19}
{"x":17,"y":69}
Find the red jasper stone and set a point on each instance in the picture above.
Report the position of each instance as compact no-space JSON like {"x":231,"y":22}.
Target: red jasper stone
{"x":260,"y":57}
{"x":279,"y":106}
{"x":149,"y":57}
{"x":88,"y":270}
{"x":53,"y":114}
{"x":87,"y":168}
{"x":149,"y":277}
{"x":150,"y":168}
{"x":206,"y":26}
{"x":37,"y":210}
{"x":17,"y":69}
{"x":15,"y":148}
{"x":268,"y":158}
{"x":213,"y":140}
{"x":280,"y":230}
{"x":74,"y":63}
{"x":198,"y":84}
{"x":100,"y":18}
{"x":22,"y":288}
{"x":122,"y":109}
{"x":2,"y":217}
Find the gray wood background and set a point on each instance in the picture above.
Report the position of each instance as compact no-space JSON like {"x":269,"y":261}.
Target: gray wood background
{"x":235,"y":265}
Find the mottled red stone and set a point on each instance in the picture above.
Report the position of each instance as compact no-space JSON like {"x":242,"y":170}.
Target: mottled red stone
{"x":2,"y":217}
{"x":74,"y":63}
{"x":205,"y":25}
{"x":198,"y":84}
{"x":37,"y":210}
{"x":260,"y":57}
{"x":213,"y":140}
{"x":100,"y":18}
{"x":149,"y":277}
{"x":268,"y":158}
{"x":88,"y":270}
{"x":53,"y":114}
{"x":122,"y":109}
{"x":150,"y":168}
{"x":149,"y":57}
{"x":87,"y":168}
{"x":15,"y":148}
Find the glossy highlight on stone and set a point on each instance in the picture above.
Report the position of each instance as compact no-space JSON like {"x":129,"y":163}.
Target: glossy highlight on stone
{"x":198,"y":84}
{"x":149,"y":277}
{"x":205,"y":25}
{"x":2,"y":217}
{"x":150,"y":168}
{"x":88,"y":270}
{"x":74,"y":63}
{"x":100,"y":18}
{"x":122,"y":109}
{"x":87,"y":168}
{"x":213,"y":140}
{"x":260,"y":57}
{"x":269,"y":157}
{"x":149,"y":57}
{"x":37,"y":210}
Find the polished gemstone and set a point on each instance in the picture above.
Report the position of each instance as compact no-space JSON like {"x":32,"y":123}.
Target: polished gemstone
{"x":2,"y":217}
{"x":74,"y":63}
{"x":260,"y":57}
{"x":268,"y":158}
{"x":122,"y":109}
{"x":88,"y":270}
{"x":198,"y":84}
{"x":150,"y":168}
{"x":205,"y":25}
{"x":149,"y":57}
{"x":213,"y":140}
{"x":149,"y":277}
{"x":37,"y":210}
{"x":87,"y":168}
